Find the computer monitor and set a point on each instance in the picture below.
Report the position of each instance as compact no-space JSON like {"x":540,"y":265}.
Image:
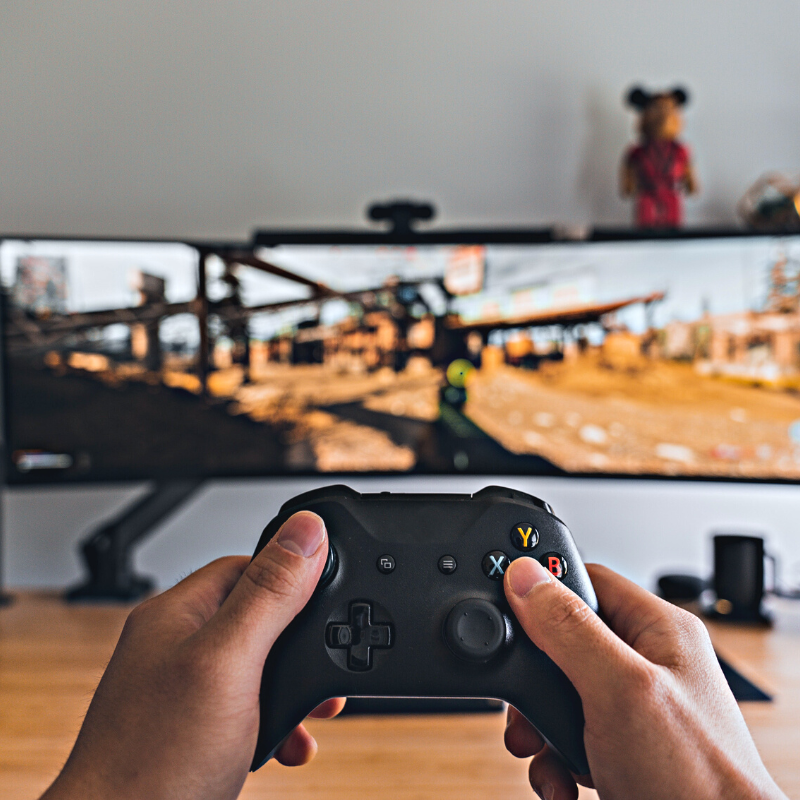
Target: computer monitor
{"x":488,"y":352}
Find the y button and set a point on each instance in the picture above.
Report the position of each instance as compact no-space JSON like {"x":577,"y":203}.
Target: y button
{"x":524,"y":536}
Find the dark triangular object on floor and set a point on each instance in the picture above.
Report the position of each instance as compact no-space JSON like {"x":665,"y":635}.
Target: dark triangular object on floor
{"x":743,"y":689}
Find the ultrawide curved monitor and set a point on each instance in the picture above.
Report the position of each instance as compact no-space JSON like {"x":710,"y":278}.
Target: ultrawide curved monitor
{"x":494,"y":352}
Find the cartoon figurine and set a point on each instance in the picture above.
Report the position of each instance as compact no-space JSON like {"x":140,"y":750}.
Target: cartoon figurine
{"x":658,"y":169}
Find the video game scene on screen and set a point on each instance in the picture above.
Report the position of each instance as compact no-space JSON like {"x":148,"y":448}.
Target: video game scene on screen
{"x":676,"y":357}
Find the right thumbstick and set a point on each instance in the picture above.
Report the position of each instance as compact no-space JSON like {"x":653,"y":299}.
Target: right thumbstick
{"x":475,"y":630}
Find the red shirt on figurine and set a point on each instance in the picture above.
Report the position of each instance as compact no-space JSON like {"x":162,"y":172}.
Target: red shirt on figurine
{"x":658,"y":169}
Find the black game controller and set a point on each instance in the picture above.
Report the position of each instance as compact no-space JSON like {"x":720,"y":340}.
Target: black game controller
{"x":411,"y":604}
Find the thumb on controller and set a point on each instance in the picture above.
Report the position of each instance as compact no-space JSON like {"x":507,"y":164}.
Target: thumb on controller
{"x":276,"y":585}
{"x":565,"y":628}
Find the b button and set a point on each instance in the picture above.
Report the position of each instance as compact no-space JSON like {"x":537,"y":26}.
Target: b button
{"x":556,"y":564}
{"x":524,"y":536}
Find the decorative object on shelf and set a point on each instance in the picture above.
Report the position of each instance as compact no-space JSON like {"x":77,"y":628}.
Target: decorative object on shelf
{"x":658,"y":170}
{"x":772,"y":203}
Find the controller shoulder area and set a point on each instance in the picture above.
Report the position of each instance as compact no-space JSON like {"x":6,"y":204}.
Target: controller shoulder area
{"x":344,"y":492}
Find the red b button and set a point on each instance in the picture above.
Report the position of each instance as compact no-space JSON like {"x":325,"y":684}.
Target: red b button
{"x":555,"y":563}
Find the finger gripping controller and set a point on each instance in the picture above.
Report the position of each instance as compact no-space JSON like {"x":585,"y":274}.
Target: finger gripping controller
{"x":411,"y":604}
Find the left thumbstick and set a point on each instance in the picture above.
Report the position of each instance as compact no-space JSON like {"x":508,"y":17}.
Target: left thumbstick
{"x":331,"y":565}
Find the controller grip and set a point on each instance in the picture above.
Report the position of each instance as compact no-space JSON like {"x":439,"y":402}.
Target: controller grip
{"x":554,"y":708}
{"x":281,"y":713}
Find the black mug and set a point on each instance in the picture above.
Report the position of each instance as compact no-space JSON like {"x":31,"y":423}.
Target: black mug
{"x":739,"y":577}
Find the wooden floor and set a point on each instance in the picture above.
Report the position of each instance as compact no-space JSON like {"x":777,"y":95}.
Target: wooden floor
{"x":52,"y":655}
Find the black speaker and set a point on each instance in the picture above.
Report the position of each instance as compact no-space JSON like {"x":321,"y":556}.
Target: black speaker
{"x":739,"y":578}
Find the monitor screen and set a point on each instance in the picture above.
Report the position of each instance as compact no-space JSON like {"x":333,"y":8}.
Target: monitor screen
{"x":665,"y":357}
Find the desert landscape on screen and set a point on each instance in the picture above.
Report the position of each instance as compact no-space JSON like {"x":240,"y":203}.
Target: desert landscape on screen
{"x":645,"y":358}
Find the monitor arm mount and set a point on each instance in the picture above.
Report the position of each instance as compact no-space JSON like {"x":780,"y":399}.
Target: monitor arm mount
{"x":107,"y":551}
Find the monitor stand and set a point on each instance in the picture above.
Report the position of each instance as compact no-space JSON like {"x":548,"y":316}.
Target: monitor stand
{"x":107,"y":551}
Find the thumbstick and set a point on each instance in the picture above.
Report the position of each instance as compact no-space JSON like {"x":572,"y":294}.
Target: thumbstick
{"x":475,"y":630}
{"x":331,"y":565}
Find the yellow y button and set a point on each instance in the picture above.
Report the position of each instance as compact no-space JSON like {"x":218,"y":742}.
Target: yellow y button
{"x":524,"y":536}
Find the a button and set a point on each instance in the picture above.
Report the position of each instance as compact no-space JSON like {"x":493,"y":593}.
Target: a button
{"x":524,"y":537}
{"x":475,"y":630}
{"x":386,"y":564}
{"x":556,"y":563}
{"x":494,"y":564}
{"x":359,"y":636}
{"x":447,"y":564}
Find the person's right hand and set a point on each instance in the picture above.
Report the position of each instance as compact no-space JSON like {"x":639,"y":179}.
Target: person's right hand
{"x":661,"y":722}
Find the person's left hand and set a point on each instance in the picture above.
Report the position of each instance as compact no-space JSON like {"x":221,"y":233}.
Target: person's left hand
{"x":176,"y":713}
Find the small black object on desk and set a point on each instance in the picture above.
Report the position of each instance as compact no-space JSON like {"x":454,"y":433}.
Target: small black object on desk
{"x":738,"y":580}
{"x":681,"y":588}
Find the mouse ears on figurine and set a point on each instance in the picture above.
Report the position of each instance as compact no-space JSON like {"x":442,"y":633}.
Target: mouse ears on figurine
{"x":640,"y":99}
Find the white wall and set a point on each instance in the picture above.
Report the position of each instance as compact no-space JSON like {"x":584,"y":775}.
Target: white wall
{"x":208,"y":119}
{"x":640,"y":529}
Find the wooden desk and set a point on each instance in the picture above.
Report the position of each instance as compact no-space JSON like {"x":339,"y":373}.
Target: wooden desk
{"x":771,"y":659}
{"x":52,"y":656}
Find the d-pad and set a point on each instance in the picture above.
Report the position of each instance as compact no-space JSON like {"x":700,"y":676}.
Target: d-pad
{"x":359,"y":636}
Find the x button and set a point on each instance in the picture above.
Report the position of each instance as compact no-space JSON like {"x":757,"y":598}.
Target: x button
{"x":359,"y":636}
{"x":495,"y":564}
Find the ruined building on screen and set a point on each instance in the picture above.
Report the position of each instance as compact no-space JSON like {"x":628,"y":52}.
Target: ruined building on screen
{"x":754,"y":346}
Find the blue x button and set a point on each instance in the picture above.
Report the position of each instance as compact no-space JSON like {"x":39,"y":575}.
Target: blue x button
{"x":494,"y":564}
